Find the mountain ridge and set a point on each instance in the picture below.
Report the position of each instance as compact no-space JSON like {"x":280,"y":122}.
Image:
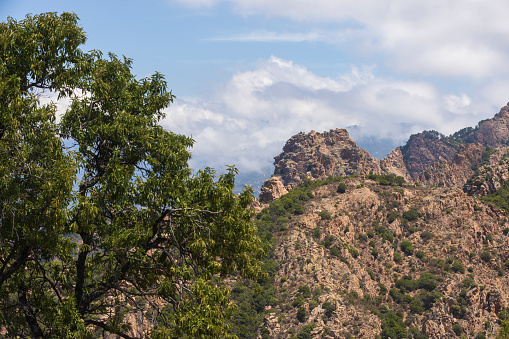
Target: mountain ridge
{"x":400,"y":247}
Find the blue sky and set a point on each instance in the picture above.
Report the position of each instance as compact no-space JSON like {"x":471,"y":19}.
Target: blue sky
{"x":248,"y":74}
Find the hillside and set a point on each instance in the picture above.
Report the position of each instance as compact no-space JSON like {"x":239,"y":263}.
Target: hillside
{"x":396,"y":248}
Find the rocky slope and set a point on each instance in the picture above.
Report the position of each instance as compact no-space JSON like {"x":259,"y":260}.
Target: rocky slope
{"x":346,"y":263}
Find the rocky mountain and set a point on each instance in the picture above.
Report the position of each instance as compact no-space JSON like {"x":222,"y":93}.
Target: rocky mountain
{"x":397,"y":248}
{"x":429,"y":157}
{"x":431,"y":259}
{"x":320,"y":155}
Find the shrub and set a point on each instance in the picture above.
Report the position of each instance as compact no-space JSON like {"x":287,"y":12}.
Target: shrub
{"x":335,"y":251}
{"x":341,"y":188}
{"x":324,"y":215}
{"x":457,"y":267}
{"x":486,"y":256}
{"x":316,"y":233}
{"x":363,"y":237}
{"x":426,"y":235}
{"x":397,"y":257}
{"x":301,"y":314}
{"x":416,"y":306}
{"x":406,"y":247}
{"x":391,"y":216}
{"x":305,"y":291}
{"x":312,"y":304}
{"x":353,"y":251}
{"x":411,"y":214}
{"x":419,"y":254}
{"x":305,"y":331}
{"x":457,"y":329}
{"x":374,"y":253}
{"x":329,"y":308}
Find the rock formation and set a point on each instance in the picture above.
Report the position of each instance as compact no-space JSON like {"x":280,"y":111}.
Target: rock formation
{"x":321,"y":155}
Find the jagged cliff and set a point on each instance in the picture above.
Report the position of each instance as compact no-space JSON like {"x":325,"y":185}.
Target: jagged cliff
{"x":428,"y":157}
{"x":320,"y":155}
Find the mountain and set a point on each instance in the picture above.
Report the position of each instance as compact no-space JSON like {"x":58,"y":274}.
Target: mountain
{"x":414,"y":245}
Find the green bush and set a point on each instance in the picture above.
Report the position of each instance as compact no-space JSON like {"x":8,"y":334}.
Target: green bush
{"x":305,"y":291}
{"x":426,"y":235}
{"x":486,"y":256}
{"x":411,"y":214}
{"x":416,"y":306}
{"x":335,"y":251}
{"x":419,"y":254}
{"x":397,"y":257}
{"x":406,"y":247}
{"x":391,"y":216}
{"x":305,"y":331}
{"x":329,"y":308}
{"x":457,"y":329}
{"x":316,"y":233}
{"x":301,"y":314}
{"x":341,"y":188}
{"x":457,"y":267}
{"x":324,"y":215}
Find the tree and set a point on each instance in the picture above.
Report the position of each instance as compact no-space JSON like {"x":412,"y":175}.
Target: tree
{"x":100,"y":214}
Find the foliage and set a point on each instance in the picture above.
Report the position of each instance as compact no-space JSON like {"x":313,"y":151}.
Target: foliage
{"x":406,"y":247}
{"x":109,"y":175}
{"x":486,"y":256}
{"x":411,"y":214}
{"x":301,"y":314}
{"x":397,"y":257}
{"x":393,"y":327}
{"x":341,"y":188}
{"x":499,"y":198}
{"x":305,"y":331}
{"x":324,"y":215}
{"x":389,"y":179}
{"x":457,"y":329}
{"x":426,"y":235}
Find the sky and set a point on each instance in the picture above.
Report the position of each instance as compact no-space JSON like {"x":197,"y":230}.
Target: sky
{"x":249,"y":74}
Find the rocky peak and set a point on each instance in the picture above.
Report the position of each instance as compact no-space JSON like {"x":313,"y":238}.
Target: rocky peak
{"x":320,"y":155}
{"x":424,"y":149}
{"x":492,"y":132}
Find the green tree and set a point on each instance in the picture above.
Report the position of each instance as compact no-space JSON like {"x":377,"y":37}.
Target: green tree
{"x":100,"y":214}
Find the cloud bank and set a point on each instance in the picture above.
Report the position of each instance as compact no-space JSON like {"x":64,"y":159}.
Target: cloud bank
{"x":247,"y":120}
{"x":436,"y":37}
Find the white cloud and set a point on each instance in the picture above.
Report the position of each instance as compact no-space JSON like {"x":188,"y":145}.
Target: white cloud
{"x":435,"y":37}
{"x":334,"y":37}
{"x":249,"y":119}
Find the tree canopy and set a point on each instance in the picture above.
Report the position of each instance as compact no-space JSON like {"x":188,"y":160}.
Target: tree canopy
{"x":102,"y":221}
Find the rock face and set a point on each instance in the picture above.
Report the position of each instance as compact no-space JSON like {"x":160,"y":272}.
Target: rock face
{"x":321,"y":155}
{"x":490,"y":177}
{"x":272,"y":189}
{"x":492,"y":132}
{"x":425,"y":149}
{"x":431,"y":158}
